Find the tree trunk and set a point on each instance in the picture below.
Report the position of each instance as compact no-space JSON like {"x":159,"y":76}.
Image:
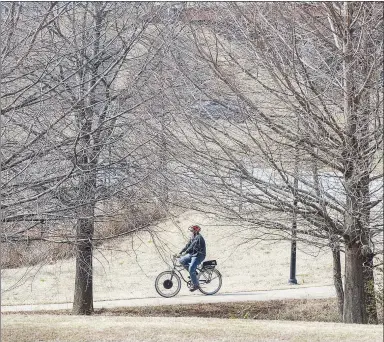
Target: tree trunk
{"x":369,"y":287}
{"x":354,"y":299}
{"x":357,"y":165}
{"x":337,"y":279}
{"x":83,"y":301}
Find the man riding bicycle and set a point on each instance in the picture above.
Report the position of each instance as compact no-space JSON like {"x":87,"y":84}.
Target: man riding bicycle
{"x":195,"y":252}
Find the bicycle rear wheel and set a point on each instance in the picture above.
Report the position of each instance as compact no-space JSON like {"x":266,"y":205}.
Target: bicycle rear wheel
{"x":209,"y":281}
{"x":168,"y":284}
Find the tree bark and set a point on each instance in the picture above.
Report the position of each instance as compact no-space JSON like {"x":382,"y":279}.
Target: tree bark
{"x":83,"y":300}
{"x":369,"y":287}
{"x":354,"y":300}
{"x":356,"y":177}
{"x":337,"y":279}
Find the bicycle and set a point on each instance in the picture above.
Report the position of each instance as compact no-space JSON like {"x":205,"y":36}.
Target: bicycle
{"x":168,"y":283}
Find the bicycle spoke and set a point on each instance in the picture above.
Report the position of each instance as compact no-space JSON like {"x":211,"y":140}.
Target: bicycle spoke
{"x":168,"y":284}
{"x":210,"y":281}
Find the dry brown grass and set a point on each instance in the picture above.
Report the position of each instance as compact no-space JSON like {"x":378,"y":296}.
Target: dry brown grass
{"x":311,"y":310}
{"x":128,"y":218}
{"x":33,"y":328}
{"x":15,"y":255}
{"x":292,"y":310}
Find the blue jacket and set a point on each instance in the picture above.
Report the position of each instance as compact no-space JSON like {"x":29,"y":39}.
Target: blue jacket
{"x":195,"y":246}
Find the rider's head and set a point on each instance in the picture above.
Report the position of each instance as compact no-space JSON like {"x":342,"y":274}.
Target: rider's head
{"x":195,"y":229}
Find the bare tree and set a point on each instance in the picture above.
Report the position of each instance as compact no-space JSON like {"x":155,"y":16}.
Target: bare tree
{"x":273,"y":66}
{"x":104,"y":45}
{"x":85,"y":145}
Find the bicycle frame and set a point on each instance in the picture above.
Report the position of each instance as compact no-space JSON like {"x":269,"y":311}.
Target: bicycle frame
{"x":178,"y":268}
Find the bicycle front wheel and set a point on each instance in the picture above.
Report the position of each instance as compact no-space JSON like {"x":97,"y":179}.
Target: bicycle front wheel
{"x":168,"y":284}
{"x":209,"y":281}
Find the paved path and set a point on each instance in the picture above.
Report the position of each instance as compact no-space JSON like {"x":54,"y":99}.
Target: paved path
{"x":292,"y":293}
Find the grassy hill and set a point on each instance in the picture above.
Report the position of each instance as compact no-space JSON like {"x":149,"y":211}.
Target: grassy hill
{"x":126,"y":268}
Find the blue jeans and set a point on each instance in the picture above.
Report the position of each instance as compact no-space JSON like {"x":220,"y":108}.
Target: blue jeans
{"x":191,"y":263}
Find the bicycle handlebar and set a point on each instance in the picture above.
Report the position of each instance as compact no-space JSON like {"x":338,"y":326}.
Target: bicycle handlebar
{"x":175,"y":259}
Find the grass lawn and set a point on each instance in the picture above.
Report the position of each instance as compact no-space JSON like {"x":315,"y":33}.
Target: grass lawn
{"x":33,"y":328}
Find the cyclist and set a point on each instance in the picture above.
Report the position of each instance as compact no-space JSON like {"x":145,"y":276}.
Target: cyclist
{"x":195,"y":252}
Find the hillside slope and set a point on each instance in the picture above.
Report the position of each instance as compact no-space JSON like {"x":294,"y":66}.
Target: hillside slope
{"x":127,"y":268}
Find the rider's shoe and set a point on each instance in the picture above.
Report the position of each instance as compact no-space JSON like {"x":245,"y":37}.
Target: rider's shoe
{"x":194,"y":288}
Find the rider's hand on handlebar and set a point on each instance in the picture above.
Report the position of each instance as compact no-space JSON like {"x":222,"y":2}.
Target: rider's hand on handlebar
{"x":177,"y":255}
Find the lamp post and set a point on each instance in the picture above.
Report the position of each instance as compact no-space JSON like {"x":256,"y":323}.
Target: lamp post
{"x":292,"y":274}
